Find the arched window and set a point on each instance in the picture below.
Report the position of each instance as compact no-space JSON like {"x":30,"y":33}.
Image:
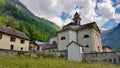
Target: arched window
{"x":87,"y":46}
{"x":63,"y":38}
{"x":54,"y":43}
{"x":86,"y":36}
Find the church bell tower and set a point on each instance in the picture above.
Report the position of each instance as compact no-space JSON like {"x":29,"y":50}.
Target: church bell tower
{"x":77,"y":18}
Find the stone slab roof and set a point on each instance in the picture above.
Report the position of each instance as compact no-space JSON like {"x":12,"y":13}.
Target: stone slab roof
{"x":13,"y":32}
{"x":89,"y":25}
{"x":49,"y":46}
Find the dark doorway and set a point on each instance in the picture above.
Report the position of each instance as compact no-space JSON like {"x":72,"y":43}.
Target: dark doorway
{"x":11,"y":47}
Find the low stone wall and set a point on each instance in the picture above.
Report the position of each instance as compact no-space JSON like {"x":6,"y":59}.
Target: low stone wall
{"x":103,"y":57}
{"x":4,"y":52}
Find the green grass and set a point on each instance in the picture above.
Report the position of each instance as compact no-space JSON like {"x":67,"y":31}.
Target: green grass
{"x":28,"y":62}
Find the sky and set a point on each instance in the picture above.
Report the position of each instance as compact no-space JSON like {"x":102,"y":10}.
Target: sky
{"x":106,"y":13}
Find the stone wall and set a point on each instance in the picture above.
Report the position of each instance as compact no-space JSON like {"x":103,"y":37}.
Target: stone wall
{"x":103,"y":57}
{"x":4,"y":52}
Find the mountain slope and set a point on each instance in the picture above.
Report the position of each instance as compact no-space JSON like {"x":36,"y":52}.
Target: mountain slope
{"x":112,"y":38}
{"x":34,"y":27}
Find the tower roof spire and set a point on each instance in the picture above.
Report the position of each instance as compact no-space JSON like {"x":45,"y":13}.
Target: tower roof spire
{"x":77,"y":18}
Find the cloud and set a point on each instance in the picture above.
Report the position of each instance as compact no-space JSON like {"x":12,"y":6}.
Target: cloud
{"x":89,"y":10}
{"x":58,"y":20}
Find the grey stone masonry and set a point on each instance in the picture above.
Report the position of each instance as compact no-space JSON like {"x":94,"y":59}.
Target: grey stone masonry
{"x":103,"y":57}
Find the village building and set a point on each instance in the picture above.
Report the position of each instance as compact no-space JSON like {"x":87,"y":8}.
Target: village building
{"x":49,"y":48}
{"x":11,"y":39}
{"x":106,"y":49}
{"x":87,"y":35}
{"x":33,"y":46}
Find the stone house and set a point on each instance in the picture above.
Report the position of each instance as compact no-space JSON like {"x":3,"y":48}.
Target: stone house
{"x":12,"y":39}
{"x":33,"y":46}
{"x":49,"y":48}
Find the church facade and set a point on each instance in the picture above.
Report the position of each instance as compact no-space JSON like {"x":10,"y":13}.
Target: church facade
{"x":87,"y":35}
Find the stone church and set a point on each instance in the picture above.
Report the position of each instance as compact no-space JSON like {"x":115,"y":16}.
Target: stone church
{"x":87,"y":35}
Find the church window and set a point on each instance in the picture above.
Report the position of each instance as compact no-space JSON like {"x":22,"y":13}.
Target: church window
{"x":21,"y":48}
{"x":63,"y":38}
{"x":86,"y":36}
{"x":54,"y":43}
{"x":87,"y":46}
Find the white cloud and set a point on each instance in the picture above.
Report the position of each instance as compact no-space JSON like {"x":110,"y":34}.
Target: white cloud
{"x":58,"y":20}
{"x":51,"y":10}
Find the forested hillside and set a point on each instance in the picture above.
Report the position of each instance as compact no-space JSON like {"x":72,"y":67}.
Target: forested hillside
{"x":34,"y":27}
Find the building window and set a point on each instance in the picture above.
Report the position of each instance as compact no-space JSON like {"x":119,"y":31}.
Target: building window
{"x":12,"y":39}
{"x":87,"y":46}
{"x":38,"y":48}
{"x":0,"y":36}
{"x":22,"y":41}
{"x":86,"y":36}
{"x":21,"y":48}
{"x":63,"y":38}
{"x":11,"y":47}
{"x":54,"y":43}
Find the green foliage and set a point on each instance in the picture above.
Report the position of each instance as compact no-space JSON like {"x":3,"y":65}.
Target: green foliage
{"x":35,"y":28}
{"x":2,"y":2}
{"x":27,"y":62}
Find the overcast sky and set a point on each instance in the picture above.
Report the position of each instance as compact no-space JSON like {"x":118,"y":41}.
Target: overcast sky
{"x":106,"y":13}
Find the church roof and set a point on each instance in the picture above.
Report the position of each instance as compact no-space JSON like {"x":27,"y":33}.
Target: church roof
{"x":89,"y":25}
{"x":71,"y":23}
{"x":13,"y":32}
{"x":66,"y":30}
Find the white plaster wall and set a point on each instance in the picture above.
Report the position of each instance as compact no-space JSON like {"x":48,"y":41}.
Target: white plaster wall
{"x":69,"y":35}
{"x":85,"y":41}
{"x":73,"y":36}
{"x":53,"y":39}
{"x":74,"y":52}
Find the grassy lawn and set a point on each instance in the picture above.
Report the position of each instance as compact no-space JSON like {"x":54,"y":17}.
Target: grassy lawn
{"x":28,"y":62}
